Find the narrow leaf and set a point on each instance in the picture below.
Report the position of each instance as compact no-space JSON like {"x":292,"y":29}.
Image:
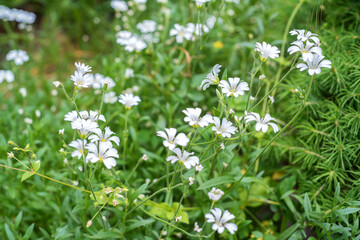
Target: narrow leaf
{"x":216,"y":181}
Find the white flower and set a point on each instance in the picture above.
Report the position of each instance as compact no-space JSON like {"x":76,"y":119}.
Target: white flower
{"x":225,"y":129}
{"x":129,"y":73}
{"x":123,"y":37}
{"x":93,"y":116}
{"x":80,"y":77}
{"x":191,"y":181}
{"x":215,"y":194}
{"x":18,"y":15}
{"x":197,"y":228}
{"x":234,"y":87}
{"x":145,"y":157}
{"x":18,"y":56}
{"x":222,"y":146}
{"x":6,"y":75}
{"x":182,"y":32}
{"x":199,"y":167}
{"x":306,"y":50}
{"x":178,"y":218}
{"x":267,"y":51}
{"x":272,"y":100}
{"x":98,"y":81}
{"x":104,"y":137}
{"x":28,"y":120}
{"x":220,"y":220}
{"x":231,"y":111}
{"x":129,"y":100}
{"x":135,"y":43}
{"x":56,"y":83}
{"x":212,"y":78}
{"x":61,"y":131}
{"x":200,"y":29}
{"x":103,"y":153}
{"x":119,"y":6}
{"x":199,"y":3}
{"x":211,"y":20}
{"x":194,"y":119}
{"x":184,"y":157}
{"x":314,"y":65}
{"x":147,"y":26}
{"x":262,"y":123}
{"x":110,"y":97}
{"x":171,"y":140}
{"x":84,"y":126}
{"x":261,"y":77}
{"x":23,"y":92}
{"x":71,"y":116}
{"x":305,"y":36}
{"x":79,"y":145}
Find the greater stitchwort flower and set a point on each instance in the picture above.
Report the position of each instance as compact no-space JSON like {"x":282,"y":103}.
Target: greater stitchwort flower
{"x":171,"y":140}
{"x":215,"y":194}
{"x":267,"y":51}
{"x":233,"y":87}
{"x":79,"y":145}
{"x":314,"y":65}
{"x":307,"y":50}
{"x":105,"y":137}
{"x":18,"y":56}
{"x":184,"y":158}
{"x":6,"y":75}
{"x":129,"y":100}
{"x":182,"y":32}
{"x":102,"y":152}
{"x":194,"y":119}
{"x":221,"y":220}
{"x":80,"y":77}
{"x":262,"y":124}
{"x":212,"y":78}
{"x":304,"y":36}
{"x":224,"y":128}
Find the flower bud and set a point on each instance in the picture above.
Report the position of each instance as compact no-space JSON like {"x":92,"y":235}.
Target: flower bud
{"x":89,"y":223}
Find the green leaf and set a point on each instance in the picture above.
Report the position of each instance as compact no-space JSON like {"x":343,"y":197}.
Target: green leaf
{"x":29,"y":232}
{"x":288,"y":232}
{"x":36,"y":165}
{"x":8,"y":232}
{"x":224,"y":75}
{"x":18,"y":219}
{"x":139,"y":191}
{"x":114,"y":234}
{"x":347,"y":211}
{"x":307,"y":203}
{"x":139,"y":223}
{"x":216,"y":181}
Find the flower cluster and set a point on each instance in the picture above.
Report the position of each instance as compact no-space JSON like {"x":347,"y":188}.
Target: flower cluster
{"x":308,"y":44}
{"x":6,"y":75}
{"x":18,"y":56}
{"x":267,"y":51}
{"x":132,"y":42}
{"x":191,"y":30}
{"x":18,"y":15}
{"x":81,"y":78}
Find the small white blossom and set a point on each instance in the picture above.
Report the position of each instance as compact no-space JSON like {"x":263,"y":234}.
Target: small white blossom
{"x":222,"y":146}
{"x":231,"y":111}
{"x":178,"y":218}
{"x":307,"y":50}
{"x":272,"y":100}
{"x":171,"y":140}
{"x":105,"y":137}
{"x":194,"y":119}
{"x":110,"y":97}
{"x":84,"y":126}
{"x":314,"y":65}
{"x":56,"y":83}
{"x":61,"y":131}
{"x":147,"y":26}
{"x":199,"y":3}
{"x":79,"y":145}
{"x":182,"y":32}
{"x":103,"y":153}
{"x":234,"y":87}
{"x":81,"y":78}
{"x":191,"y":181}
{"x":144,"y":157}
{"x":224,"y":128}
{"x":197,"y":228}
{"x":129,"y":100}
{"x":119,"y":6}
{"x":184,"y":158}
{"x":262,"y":123}
{"x":200,"y":29}
{"x":129,"y":73}
{"x":305,"y":36}
{"x":215,"y":194}
{"x":98,"y":81}
{"x":267,"y":51}
{"x":6,"y":75}
{"x":135,"y":44}
{"x":261,"y":77}
{"x":37,"y":113}
{"x":18,"y":56}
{"x":23,"y":92}
{"x":221,"y":220}
{"x":28,"y":120}
{"x":212,"y":78}
{"x":123,"y":37}
{"x":199,"y":167}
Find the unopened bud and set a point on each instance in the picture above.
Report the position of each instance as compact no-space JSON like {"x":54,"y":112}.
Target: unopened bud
{"x":89,"y":223}
{"x":115,"y":202}
{"x":11,"y":143}
{"x":10,"y":154}
{"x":33,"y":156}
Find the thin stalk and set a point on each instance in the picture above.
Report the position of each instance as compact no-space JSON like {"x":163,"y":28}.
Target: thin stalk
{"x":44,"y":176}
